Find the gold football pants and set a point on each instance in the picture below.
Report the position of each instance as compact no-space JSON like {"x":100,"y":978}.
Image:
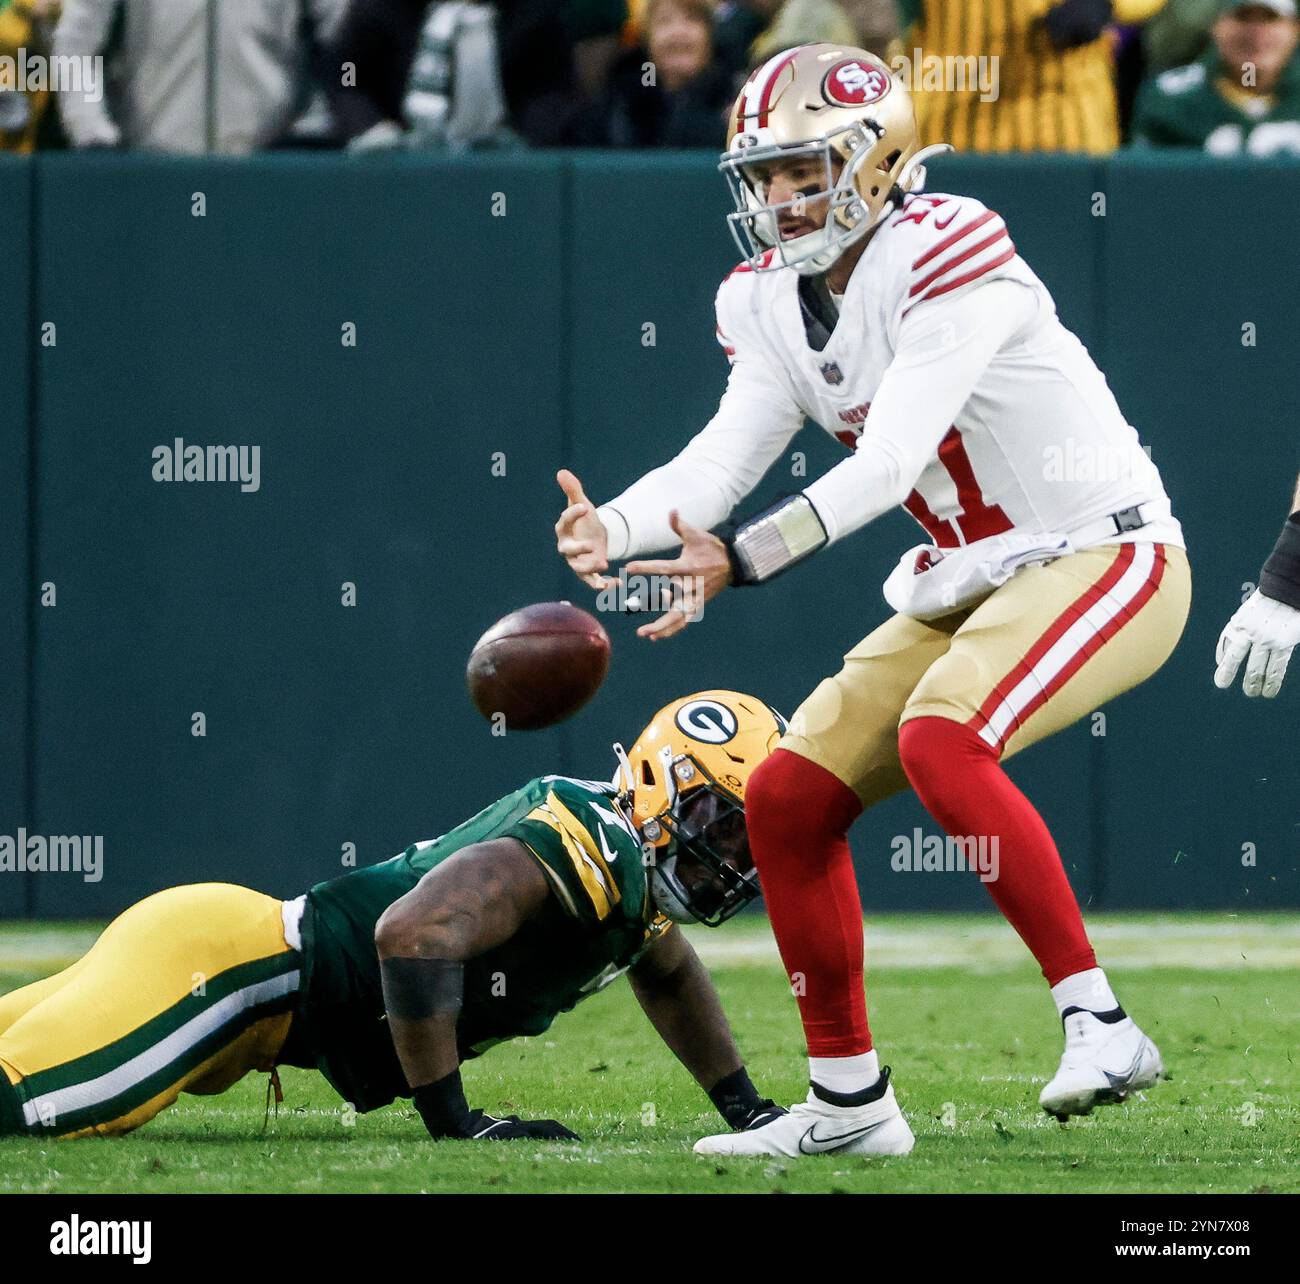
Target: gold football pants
{"x":186,"y":991}
{"x":1050,"y":646}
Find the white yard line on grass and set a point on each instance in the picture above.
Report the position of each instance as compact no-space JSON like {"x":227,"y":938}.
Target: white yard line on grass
{"x":1204,"y":942}
{"x":1156,"y":943}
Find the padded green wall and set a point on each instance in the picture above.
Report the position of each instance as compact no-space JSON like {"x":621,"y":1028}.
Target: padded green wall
{"x":15,"y":419}
{"x":500,"y":306}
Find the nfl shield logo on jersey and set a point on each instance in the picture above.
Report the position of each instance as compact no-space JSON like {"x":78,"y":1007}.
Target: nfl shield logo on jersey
{"x":832,"y":374}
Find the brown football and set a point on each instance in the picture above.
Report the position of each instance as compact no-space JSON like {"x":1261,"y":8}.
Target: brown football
{"x":538,"y":665}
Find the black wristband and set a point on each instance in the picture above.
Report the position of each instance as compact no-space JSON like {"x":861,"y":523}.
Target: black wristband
{"x":416,"y":989}
{"x":1280,"y":578}
{"x":443,"y":1107}
{"x":735,"y":1097}
{"x":772,"y":541}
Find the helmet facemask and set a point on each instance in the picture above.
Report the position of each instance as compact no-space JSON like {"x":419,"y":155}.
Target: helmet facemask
{"x":755,"y":223}
{"x":682,"y":787}
{"x":704,"y":873}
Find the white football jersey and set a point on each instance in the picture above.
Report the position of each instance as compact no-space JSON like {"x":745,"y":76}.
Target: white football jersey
{"x":1039,"y":443}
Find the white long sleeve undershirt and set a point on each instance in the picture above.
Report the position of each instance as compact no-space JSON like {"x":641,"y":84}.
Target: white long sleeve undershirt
{"x":943,"y":350}
{"x":716,"y":469}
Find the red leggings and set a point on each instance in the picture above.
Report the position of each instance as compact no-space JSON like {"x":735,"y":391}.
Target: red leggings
{"x":799,"y":815}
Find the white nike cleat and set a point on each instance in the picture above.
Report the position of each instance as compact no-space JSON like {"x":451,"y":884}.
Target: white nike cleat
{"x":817,"y":1127}
{"x":1106,"y":1058}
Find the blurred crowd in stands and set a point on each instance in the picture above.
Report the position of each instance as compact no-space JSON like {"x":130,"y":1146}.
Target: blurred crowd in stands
{"x":198,"y":76}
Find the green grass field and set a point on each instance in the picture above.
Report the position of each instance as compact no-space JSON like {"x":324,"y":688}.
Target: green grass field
{"x":965,"y":1022}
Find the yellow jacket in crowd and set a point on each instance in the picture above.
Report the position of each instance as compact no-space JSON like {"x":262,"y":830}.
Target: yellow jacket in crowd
{"x":25,"y":26}
{"x":1016,"y":75}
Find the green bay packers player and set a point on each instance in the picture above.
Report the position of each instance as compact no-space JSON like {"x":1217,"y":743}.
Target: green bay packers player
{"x":1052,"y":577}
{"x":388,"y":978}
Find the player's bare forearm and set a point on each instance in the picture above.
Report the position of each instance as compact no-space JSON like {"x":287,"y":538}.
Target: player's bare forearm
{"x":677,"y":994}
{"x":458,"y":910}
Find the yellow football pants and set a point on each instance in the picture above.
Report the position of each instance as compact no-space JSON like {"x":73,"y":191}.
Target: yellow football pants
{"x":186,"y":991}
{"x":1051,"y":645}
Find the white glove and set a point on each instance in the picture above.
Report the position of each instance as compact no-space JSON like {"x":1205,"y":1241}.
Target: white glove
{"x":1268,"y":630}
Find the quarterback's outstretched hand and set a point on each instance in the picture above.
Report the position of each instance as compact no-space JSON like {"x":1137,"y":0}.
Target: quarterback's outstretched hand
{"x":1265,"y":630}
{"x":698,"y":573}
{"x":580,"y":534}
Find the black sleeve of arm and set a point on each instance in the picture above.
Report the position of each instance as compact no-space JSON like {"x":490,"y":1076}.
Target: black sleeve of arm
{"x":1280,"y":578}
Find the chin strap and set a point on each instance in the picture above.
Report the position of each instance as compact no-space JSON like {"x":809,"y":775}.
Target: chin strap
{"x":624,"y":778}
{"x":625,"y":782}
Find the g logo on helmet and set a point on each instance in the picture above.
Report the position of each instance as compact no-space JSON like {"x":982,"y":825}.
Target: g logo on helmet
{"x":707,"y":721}
{"x":854,"y":83}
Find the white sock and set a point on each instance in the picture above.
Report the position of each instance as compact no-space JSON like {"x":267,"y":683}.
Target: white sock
{"x":845,"y":1074}
{"x":1088,"y":990}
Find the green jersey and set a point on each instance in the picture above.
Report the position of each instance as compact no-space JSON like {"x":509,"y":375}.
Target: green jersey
{"x":1194,"y":106}
{"x":597,"y":922}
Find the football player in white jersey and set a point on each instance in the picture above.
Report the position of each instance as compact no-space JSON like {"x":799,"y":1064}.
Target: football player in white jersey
{"x":1266,"y":627}
{"x":1052,"y":579}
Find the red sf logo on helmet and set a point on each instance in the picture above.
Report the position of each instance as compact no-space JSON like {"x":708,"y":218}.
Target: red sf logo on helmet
{"x":854,"y":83}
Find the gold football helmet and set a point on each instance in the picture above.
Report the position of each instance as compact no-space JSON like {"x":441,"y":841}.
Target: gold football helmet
{"x":841,"y":105}
{"x":684,"y":783}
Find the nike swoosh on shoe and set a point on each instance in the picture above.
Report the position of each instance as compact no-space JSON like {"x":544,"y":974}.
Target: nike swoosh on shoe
{"x":829,"y":1143}
{"x":1126,"y":1076}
